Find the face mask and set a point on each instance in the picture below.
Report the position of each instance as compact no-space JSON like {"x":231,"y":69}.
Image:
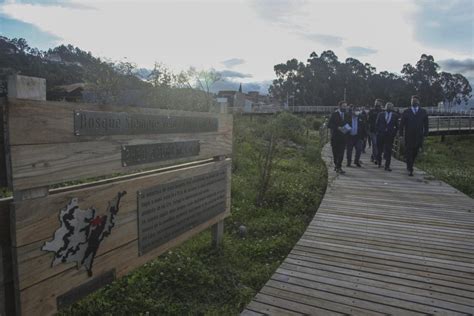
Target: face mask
{"x":357,"y":113}
{"x":416,"y":104}
{"x":343,"y":110}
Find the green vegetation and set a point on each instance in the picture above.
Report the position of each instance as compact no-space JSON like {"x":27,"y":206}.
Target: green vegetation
{"x":104,"y":81}
{"x":450,"y":161}
{"x":197,"y":279}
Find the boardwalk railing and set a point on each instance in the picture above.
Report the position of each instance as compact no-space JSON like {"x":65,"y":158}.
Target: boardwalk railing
{"x":278,"y":109}
{"x":440,"y":124}
{"x":435,"y":110}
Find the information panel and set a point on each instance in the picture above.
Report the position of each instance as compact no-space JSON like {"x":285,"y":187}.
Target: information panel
{"x":168,"y":210}
{"x":95,"y":123}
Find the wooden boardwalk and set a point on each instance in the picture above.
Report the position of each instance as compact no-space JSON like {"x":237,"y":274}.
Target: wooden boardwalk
{"x":380,"y":243}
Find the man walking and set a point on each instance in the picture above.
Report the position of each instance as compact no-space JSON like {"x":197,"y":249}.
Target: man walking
{"x":386,"y":129}
{"x":336,"y":124}
{"x":373,"y":113}
{"x":414,"y":125}
{"x":356,"y":135}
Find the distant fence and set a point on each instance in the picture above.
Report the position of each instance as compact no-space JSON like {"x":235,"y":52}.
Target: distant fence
{"x":451,"y":124}
{"x":432,"y":111}
{"x":58,"y":245}
{"x":277,"y":109}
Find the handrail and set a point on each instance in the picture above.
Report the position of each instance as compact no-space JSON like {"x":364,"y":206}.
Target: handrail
{"x":450,"y":123}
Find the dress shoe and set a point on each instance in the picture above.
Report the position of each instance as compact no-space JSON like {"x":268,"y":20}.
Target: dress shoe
{"x":357,"y":164}
{"x":388,"y":169}
{"x":410,"y":174}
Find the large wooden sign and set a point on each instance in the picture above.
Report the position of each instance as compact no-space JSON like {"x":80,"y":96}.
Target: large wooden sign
{"x":71,"y":241}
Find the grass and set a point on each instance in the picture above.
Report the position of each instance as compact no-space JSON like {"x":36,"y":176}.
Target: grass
{"x":450,"y":160}
{"x":194,"y":278}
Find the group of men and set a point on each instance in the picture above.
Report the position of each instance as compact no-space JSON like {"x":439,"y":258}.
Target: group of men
{"x":352,"y":128}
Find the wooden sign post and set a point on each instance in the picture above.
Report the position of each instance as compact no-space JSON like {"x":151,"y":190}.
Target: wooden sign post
{"x":69,"y":241}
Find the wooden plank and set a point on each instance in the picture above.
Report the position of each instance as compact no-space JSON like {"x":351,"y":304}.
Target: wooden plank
{"x":41,"y":216}
{"x":248,"y":312}
{"x":46,"y":151}
{"x":292,"y":305}
{"x":285,"y":291}
{"x":266,"y":309}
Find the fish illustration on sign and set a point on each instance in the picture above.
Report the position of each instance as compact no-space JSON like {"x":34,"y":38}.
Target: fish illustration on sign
{"x":81,"y":232}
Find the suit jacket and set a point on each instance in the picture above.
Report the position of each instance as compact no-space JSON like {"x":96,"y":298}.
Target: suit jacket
{"x":373,"y":113}
{"x":336,"y":121}
{"x":414,"y":127}
{"x":384,"y":129}
{"x":361,"y":125}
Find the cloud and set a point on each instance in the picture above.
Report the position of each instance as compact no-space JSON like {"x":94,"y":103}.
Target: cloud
{"x":36,"y":38}
{"x":325,"y":39}
{"x":464,"y":67}
{"x":455,"y":65}
{"x":280,"y":11}
{"x":446,"y":24}
{"x":230,"y":63}
{"x":358,"y":51}
{"x":234,"y":74}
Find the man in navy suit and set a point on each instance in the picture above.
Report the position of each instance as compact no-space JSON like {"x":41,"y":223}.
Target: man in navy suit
{"x":355,"y":137}
{"x":414,"y":125}
{"x":386,"y":129}
{"x":338,"y":136}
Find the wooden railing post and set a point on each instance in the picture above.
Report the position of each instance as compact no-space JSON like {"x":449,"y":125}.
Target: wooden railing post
{"x":26,"y":88}
{"x":217,"y":230}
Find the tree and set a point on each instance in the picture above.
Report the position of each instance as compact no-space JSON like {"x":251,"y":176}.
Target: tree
{"x":456,"y":88}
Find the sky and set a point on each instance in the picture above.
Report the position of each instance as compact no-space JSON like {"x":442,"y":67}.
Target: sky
{"x":245,"y":39}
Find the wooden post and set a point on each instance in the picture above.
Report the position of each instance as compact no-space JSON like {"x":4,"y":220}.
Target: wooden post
{"x":27,"y":88}
{"x":217,"y":230}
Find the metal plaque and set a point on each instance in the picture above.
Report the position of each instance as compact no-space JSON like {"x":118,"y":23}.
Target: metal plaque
{"x":168,"y":210}
{"x":85,"y":289}
{"x":94,"y":123}
{"x":146,"y":153}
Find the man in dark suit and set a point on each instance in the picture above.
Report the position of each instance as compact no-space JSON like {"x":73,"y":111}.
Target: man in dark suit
{"x":338,"y":135}
{"x":414,"y":125}
{"x":373,"y":113}
{"x":386,"y":129}
{"x":355,"y":137}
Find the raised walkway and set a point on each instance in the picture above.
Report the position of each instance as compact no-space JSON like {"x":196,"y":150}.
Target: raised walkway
{"x":380,"y":243}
